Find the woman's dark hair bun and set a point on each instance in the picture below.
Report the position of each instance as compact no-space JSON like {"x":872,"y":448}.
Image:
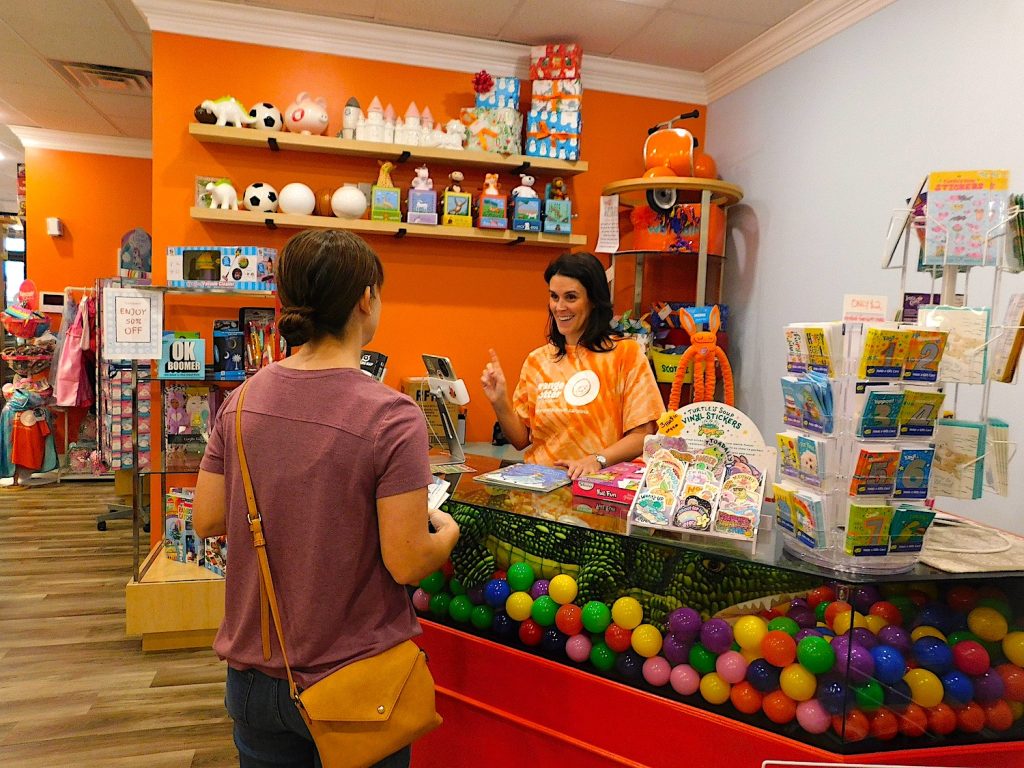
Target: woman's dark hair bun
{"x":297,"y":324}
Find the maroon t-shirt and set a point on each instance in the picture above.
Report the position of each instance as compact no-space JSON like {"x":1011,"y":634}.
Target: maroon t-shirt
{"x":322,"y":447}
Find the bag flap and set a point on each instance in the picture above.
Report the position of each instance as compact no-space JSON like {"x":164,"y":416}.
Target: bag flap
{"x":364,"y":691}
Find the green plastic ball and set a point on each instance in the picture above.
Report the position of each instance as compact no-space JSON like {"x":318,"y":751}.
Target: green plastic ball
{"x":520,"y":577}
{"x":482,"y":616}
{"x":460,"y":608}
{"x":998,"y":605}
{"x":601,"y":656}
{"x":815,"y":654}
{"x":702,"y":660}
{"x":455,"y":587}
{"x":819,"y":610}
{"x":869,"y":695}
{"x":960,"y":635}
{"x":544,"y":610}
{"x":596,"y":616}
{"x":439,"y":604}
{"x":784,"y":623}
{"x":906,"y":607}
{"x":433,"y":583}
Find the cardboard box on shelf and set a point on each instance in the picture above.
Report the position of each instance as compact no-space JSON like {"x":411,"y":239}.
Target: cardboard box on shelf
{"x":416,"y":388}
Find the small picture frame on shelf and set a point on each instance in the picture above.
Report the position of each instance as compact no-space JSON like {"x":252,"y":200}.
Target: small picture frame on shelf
{"x":458,"y":209}
{"x":492,"y":212}
{"x":422,"y":207}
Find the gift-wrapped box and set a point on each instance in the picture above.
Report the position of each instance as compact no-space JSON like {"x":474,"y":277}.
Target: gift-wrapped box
{"x":553,"y":134}
{"x":493,"y":130}
{"x":557,"y":95}
{"x":505,"y":93}
{"x":557,"y":61}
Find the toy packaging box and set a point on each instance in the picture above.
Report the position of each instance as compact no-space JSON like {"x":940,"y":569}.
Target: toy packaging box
{"x":228,"y":350}
{"x":493,"y":130}
{"x":553,"y":134}
{"x":555,"y":61}
{"x":505,"y":93}
{"x":557,"y":95}
{"x":617,"y":483}
{"x":242,"y":267}
{"x":180,"y":541}
{"x":215,"y":554}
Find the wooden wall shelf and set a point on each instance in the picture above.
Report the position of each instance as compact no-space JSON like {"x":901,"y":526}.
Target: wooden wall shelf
{"x":722,"y":193}
{"x":329,"y":145}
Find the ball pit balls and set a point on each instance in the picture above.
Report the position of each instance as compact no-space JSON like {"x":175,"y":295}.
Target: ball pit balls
{"x":886,"y":611}
{"x":941,"y":719}
{"x":958,"y":688}
{"x":433,"y":583}
{"x":778,"y":648}
{"x":455,"y":587}
{"x":822,"y":594}
{"x":602,"y":657}
{"x":460,"y":608}
{"x":617,"y":638}
{"x":496,"y":592}
{"x":935,"y":615}
{"x":925,"y":687}
{"x":875,"y":623}
{"x":864,"y":636}
{"x":1018,"y":710}
{"x":684,"y":623}
{"x":539,"y":588}
{"x":647,"y":640}
{"x":970,"y":657}
{"x":746,"y":698}
{"x":998,"y":715}
{"x":656,"y":671}
{"x":805,"y":633}
{"x":962,"y":599}
{"x":797,"y":602}
{"x":749,"y":631}
{"x":864,"y":597}
{"x":685,"y":680}
{"x":895,"y":636}
{"x":544,"y":610}
{"x":914,"y":721}
{"x":816,"y":655}
{"x":731,"y":667}
{"x":860,"y":664}
{"x":1013,"y":647}
{"x":553,"y":641}
{"x":933,"y":654}
{"x":820,"y":610}
{"x":960,"y":635}
{"x":926,"y":631}
{"x":997,"y":604}
{"x":421,"y":599}
{"x":836,"y":608}
{"x":714,"y":689}
{"x":803,"y":616}
{"x":482,"y":616}
{"x":890,"y":665}
{"x":504,"y":626}
{"x":716,"y":635}
{"x":812,"y":717}
{"x":897,"y":696}
{"x":627,"y":612}
{"x":797,"y":683}
{"x":847,"y":620}
{"x":971,"y":718}
{"x":439,"y":604}
{"x":578,"y":648}
{"x":520,"y":577}
{"x":596,"y":616}
{"x":783,"y":624}
{"x":832,"y":693}
{"x":563,"y":589}
{"x":675,"y":650}
{"x":869,"y":695}
{"x":530,"y":632}
{"x":701,"y":659}
{"x":476,"y":594}
{"x":1013,"y":681}
{"x":630,"y":665}
{"x":778,"y":707}
{"x":569,"y":620}
{"x":763,"y":676}
{"x":883,"y":725}
{"x":988,"y":687}
{"x":519,"y":605}
{"x":987,"y":623}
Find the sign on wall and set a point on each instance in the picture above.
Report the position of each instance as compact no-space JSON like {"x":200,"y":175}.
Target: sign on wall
{"x":132,"y":324}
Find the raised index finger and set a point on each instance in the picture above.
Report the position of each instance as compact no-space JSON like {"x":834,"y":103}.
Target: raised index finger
{"x":494,"y":357}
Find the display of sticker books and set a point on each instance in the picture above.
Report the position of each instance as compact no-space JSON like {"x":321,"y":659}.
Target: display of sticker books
{"x":187,"y":422}
{"x":526,"y":477}
{"x":965,"y":212}
{"x":965,"y":358}
{"x":1006,"y":348}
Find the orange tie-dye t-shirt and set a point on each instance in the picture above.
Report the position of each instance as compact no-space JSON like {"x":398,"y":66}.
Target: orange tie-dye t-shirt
{"x":584,"y":402}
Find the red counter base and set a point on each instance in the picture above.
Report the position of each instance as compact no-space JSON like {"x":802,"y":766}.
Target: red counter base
{"x":503,"y":707}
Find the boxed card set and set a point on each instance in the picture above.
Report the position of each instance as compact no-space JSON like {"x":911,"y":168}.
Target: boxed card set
{"x":241,"y":267}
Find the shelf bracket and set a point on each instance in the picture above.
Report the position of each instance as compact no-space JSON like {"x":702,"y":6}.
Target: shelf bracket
{"x":272,"y":143}
{"x":401,"y":232}
{"x":406,"y":154}
{"x":522,"y":168}
{"x":271,"y":224}
{"x":517,"y":241}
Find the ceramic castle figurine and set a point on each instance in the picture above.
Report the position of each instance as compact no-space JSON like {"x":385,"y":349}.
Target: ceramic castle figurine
{"x":390,"y":124}
{"x":422,"y":179}
{"x":525,"y":188}
{"x":427,"y":118}
{"x":371,"y":128}
{"x":410,"y":131}
{"x":350,"y":118}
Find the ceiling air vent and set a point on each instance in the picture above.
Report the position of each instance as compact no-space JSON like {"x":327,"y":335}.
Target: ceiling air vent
{"x":99,"y":77}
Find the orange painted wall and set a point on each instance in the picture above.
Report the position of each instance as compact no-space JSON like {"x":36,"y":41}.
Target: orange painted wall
{"x":98,"y":197}
{"x":447,"y":298}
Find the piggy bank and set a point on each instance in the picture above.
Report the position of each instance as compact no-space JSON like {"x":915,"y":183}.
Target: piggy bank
{"x":306,"y":115}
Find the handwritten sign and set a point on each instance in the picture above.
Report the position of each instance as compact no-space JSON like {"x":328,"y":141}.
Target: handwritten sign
{"x":608,"y":225}
{"x":863,"y":308}
{"x":132,"y":324}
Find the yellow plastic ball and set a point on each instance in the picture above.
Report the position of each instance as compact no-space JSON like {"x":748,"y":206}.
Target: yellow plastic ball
{"x":925,"y":631}
{"x":749,"y":631}
{"x":562,"y":589}
{"x":875,"y":623}
{"x":798,"y":683}
{"x":646,"y":640}
{"x":925,"y":687}
{"x":842,"y":623}
{"x":1017,"y":707}
{"x":714,"y":689}
{"x":519,"y":605}
{"x":987,"y":623}
{"x":627,"y":612}
{"x":751,"y":654}
{"x":1013,"y":647}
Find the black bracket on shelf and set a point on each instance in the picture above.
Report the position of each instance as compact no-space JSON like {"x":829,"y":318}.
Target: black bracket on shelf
{"x":522,"y":168}
{"x":517,"y":241}
{"x":271,"y":224}
{"x":272,"y":143}
{"x":406,"y":154}
{"x":401,"y":232}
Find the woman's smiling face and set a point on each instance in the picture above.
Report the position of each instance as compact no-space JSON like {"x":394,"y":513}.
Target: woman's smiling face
{"x":569,"y":306}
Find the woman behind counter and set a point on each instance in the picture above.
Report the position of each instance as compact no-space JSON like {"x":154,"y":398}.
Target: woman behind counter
{"x":586,"y":399}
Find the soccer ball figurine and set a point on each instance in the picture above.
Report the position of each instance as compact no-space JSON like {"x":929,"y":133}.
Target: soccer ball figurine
{"x":260,"y":197}
{"x":267,"y":117}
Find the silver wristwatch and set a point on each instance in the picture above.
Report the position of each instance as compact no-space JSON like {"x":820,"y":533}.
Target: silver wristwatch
{"x":601,"y":460}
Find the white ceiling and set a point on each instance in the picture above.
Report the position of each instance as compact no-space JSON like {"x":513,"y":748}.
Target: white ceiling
{"x":682,"y":34}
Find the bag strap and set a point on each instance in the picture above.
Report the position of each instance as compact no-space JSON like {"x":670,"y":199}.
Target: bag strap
{"x":260,"y":545}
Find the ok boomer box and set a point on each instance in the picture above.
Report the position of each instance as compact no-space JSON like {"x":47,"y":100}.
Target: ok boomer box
{"x":617,"y":483}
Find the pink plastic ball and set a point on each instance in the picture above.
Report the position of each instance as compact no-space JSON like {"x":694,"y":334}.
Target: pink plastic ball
{"x":421,"y":600}
{"x":731,"y":667}
{"x":657,"y":671}
{"x":685,"y":680}
{"x":578,"y":648}
{"x":813,"y":717}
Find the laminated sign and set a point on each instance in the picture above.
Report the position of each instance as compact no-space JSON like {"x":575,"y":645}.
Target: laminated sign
{"x":132,"y":324}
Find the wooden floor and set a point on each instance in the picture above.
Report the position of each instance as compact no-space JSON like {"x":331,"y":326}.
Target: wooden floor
{"x":74,"y":691}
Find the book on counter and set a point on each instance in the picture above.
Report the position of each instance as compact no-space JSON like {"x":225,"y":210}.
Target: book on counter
{"x":526,"y":477}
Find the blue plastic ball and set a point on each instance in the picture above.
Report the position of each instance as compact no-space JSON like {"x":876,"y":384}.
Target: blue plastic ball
{"x":935,"y":614}
{"x":959,"y":690}
{"x":897,"y":696}
{"x":630,"y":664}
{"x":933,"y":654}
{"x":504,"y":626}
{"x":833,"y":693}
{"x":554,"y":641}
{"x":890,"y":665}
{"x":763,"y":676}
{"x":496,"y":592}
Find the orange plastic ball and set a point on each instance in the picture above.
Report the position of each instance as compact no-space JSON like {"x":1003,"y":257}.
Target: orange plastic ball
{"x":970,"y":719}
{"x":779,"y":707}
{"x":913,"y":721}
{"x":941,"y":719}
{"x":834,"y":609}
{"x":884,"y":725}
{"x":617,"y":638}
{"x":854,"y":727}
{"x":746,"y":698}
{"x":820,"y":595}
{"x":1013,"y":681}
{"x":778,"y":648}
{"x":998,"y":715}
{"x":887,"y":611}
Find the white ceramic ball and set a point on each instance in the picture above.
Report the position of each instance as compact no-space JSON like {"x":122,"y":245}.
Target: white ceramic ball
{"x":260,"y":196}
{"x":296,"y":198}
{"x":348,"y":202}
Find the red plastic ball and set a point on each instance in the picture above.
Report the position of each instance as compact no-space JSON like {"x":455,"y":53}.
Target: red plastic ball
{"x":941,"y":719}
{"x":962,"y":599}
{"x":617,"y":638}
{"x":884,"y":725}
{"x":854,"y":727}
{"x":779,"y":707}
{"x":913,"y":721}
{"x":990,"y":590}
{"x":500,"y":575}
{"x":771,"y":613}
{"x":746,"y":698}
{"x":569,"y":619}
{"x":1013,"y":681}
{"x":778,"y":648}
{"x":835,"y":608}
{"x":918,"y":598}
{"x":887,"y":611}
{"x":998,"y":715}
{"x":821,"y":594}
{"x":530,"y":632}
{"x":971,"y":658}
{"x":970,"y":719}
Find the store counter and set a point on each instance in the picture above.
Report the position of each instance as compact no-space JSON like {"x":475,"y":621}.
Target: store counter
{"x":681,"y":687}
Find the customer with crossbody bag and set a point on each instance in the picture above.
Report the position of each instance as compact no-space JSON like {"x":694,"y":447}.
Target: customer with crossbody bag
{"x":318,"y":475}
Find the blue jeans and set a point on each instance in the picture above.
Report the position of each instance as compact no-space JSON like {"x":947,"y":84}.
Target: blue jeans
{"x":269,"y":731}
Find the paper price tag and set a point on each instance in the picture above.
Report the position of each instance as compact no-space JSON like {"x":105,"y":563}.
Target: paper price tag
{"x":670,"y":424}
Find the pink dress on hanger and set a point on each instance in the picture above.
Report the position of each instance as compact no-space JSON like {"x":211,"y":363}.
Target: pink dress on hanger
{"x":72,"y":388}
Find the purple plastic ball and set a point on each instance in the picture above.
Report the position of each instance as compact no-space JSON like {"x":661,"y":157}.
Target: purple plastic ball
{"x":988,"y":687}
{"x":676,"y":650}
{"x":716,"y":635}
{"x":806,"y":633}
{"x":797,"y":602}
{"x":684,"y":622}
{"x":476,"y":595}
{"x":832,"y":693}
{"x":895,"y":636}
{"x":864,"y":597}
{"x":865,"y":637}
{"x":841,"y":645}
{"x":803,"y":616}
{"x":862,"y":664}
{"x":539,"y":588}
